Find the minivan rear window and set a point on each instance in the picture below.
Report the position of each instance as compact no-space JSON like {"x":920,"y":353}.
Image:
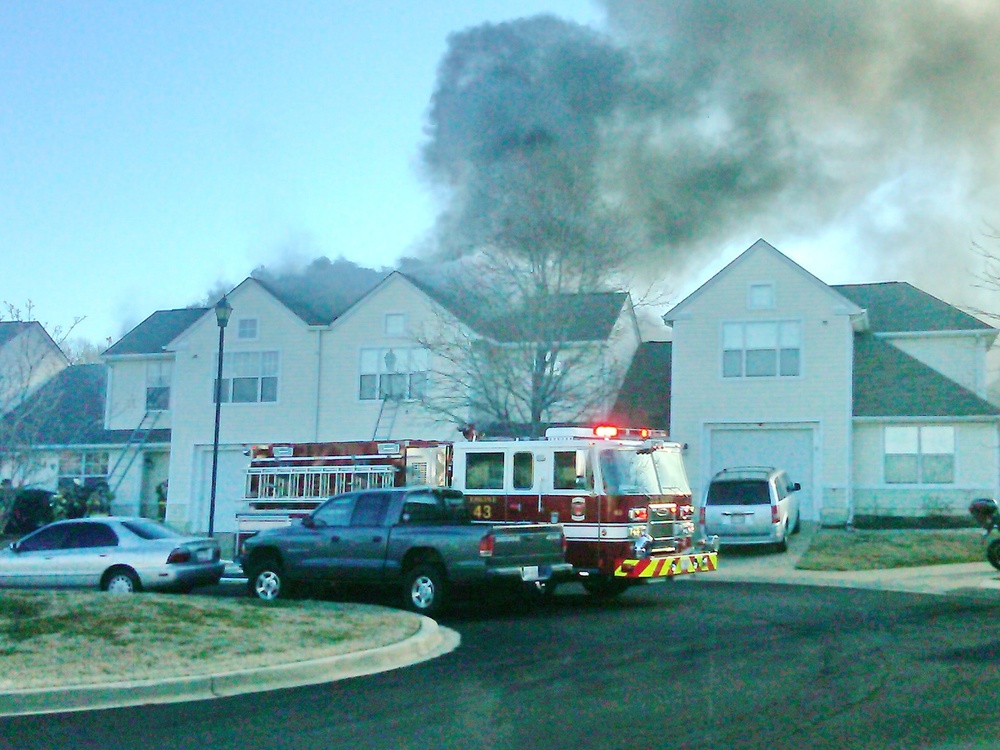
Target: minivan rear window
{"x":738,"y":492}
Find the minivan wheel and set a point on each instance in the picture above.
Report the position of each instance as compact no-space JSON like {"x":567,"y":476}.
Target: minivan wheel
{"x":782,"y":546}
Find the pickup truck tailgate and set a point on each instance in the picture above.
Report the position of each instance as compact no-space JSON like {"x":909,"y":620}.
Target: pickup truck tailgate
{"x":526,"y":544}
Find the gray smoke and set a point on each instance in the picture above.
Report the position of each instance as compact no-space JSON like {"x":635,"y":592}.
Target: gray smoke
{"x":709,"y":121}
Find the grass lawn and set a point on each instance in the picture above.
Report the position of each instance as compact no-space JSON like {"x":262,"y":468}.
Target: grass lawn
{"x":837,"y":549}
{"x":77,"y":637}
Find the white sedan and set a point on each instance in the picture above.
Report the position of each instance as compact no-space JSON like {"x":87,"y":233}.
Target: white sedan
{"x":113,"y":553}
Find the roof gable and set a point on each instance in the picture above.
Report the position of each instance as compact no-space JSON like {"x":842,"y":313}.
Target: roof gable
{"x":750,"y":255}
{"x":153,"y":334}
{"x":899,"y":307}
{"x":11,"y":329}
{"x":890,"y":383}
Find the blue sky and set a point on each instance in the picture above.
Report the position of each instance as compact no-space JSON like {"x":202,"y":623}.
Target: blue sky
{"x":149,"y":151}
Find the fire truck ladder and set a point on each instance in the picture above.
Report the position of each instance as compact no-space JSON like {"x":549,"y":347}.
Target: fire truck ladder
{"x":132,"y":448}
{"x":386,"y":418}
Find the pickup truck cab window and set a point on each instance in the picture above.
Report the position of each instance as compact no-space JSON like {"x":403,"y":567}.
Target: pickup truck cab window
{"x":336,"y":511}
{"x":369,"y":509}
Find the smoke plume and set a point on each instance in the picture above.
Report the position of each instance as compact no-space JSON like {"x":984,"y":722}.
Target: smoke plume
{"x":705,"y":122}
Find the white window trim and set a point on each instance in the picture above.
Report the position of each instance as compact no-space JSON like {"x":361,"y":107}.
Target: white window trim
{"x":760,"y":285}
{"x":227,"y":378}
{"x":920,"y":454}
{"x":743,"y":376}
{"x":385,"y":324}
{"x":382,"y":370}
{"x":256,"y":329}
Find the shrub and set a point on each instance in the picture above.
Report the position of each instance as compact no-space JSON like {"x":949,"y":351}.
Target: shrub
{"x":30,"y":510}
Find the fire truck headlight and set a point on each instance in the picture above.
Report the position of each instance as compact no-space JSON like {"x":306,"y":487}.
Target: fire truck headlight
{"x":634,"y":532}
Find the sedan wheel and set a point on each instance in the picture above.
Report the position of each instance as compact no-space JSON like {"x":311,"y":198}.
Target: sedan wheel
{"x":121,"y":582}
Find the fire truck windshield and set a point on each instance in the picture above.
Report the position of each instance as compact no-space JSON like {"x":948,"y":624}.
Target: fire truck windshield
{"x":627,"y":471}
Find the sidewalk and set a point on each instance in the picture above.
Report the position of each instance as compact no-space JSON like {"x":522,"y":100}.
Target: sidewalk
{"x":761,"y":567}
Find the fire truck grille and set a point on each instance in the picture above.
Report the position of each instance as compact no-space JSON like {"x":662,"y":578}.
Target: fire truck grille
{"x":667,"y":530}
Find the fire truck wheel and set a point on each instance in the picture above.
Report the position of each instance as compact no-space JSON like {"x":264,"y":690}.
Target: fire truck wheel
{"x":424,"y":590}
{"x":993,"y":553}
{"x":267,"y":580}
{"x":604,"y":587}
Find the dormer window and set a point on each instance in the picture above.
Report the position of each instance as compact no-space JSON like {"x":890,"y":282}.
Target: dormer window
{"x":246,"y":329}
{"x":760,"y":297}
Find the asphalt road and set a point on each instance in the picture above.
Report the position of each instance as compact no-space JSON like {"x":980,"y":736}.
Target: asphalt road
{"x":682,"y":665}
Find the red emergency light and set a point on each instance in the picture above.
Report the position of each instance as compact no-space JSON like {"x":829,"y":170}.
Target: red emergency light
{"x":608,"y":431}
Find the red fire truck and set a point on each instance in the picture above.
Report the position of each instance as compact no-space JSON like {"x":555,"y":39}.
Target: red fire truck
{"x":622,"y":496}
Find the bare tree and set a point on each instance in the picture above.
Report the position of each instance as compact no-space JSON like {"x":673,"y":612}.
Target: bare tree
{"x":29,"y":357}
{"x":546,"y":257}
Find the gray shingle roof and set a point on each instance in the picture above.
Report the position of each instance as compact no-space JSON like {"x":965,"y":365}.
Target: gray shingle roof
{"x":644,"y":398}
{"x":589,"y":316}
{"x":156,"y":331}
{"x":899,"y":307}
{"x":69,"y":410}
{"x":890,"y":383}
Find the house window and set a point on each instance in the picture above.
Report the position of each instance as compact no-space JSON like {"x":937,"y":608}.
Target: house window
{"x":396,"y":373}
{"x":246,"y":329}
{"x":158,"y":385}
{"x":920,"y":455}
{"x":760,"y":297}
{"x":248,"y":377}
{"x":762,"y":349}
{"x":395,"y":324}
{"x":83,"y":467}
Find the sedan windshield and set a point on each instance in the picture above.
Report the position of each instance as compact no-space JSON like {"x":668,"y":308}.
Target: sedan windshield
{"x":627,"y":471}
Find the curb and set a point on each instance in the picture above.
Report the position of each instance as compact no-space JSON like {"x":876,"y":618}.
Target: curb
{"x":429,"y":642}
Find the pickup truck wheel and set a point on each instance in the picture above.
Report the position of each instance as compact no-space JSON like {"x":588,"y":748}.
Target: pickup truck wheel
{"x":266,"y":580}
{"x":604,"y":587}
{"x":424,"y":590}
{"x":993,"y":553}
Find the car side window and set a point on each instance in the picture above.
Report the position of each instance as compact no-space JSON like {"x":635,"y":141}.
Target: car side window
{"x":86,"y":535}
{"x":336,"y":511}
{"x":51,"y":537}
{"x":369,"y":510}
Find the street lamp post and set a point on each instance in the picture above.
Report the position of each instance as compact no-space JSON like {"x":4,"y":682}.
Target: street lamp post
{"x":222,"y":312}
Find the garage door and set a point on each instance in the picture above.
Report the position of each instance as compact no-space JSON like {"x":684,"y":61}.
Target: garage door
{"x":790,"y":449}
{"x":229,"y":486}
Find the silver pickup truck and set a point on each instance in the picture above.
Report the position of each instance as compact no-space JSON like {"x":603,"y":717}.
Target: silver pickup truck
{"x":418,"y":538}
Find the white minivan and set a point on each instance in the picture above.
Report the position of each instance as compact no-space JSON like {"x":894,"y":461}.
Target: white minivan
{"x":751,"y":505}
